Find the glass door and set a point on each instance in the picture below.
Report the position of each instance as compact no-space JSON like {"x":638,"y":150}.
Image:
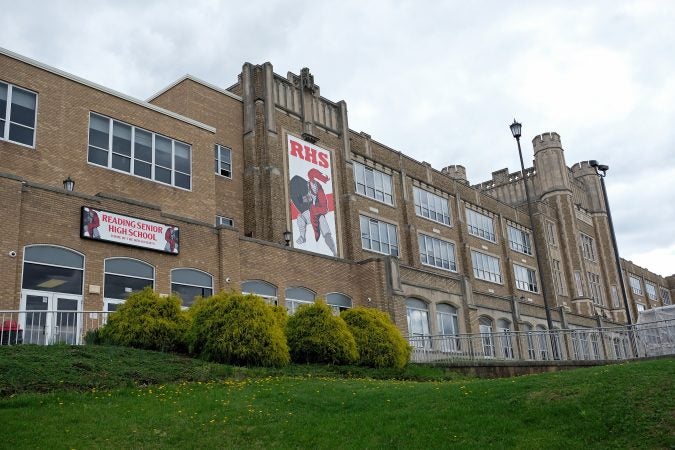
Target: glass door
{"x":51,"y":317}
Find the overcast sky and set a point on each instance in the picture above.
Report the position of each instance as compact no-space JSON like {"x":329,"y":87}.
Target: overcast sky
{"x":440,"y":81}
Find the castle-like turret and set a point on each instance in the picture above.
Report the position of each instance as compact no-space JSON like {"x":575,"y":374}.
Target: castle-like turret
{"x":549,"y":162}
{"x":584,"y":172}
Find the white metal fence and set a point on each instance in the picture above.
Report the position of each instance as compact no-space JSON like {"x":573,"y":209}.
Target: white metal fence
{"x":616,"y":343}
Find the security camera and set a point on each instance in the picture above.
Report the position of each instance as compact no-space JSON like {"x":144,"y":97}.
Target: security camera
{"x":12,"y":253}
{"x":227,"y":280}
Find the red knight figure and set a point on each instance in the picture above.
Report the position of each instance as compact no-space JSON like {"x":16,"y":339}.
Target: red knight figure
{"x":316,"y":214}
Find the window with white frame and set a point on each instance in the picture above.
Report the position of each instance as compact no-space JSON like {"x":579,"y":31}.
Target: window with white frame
{"x":18,"y":111}
{"x":544,"y":341}
{"x":373,"y":184}
{"x":378,"y":236}
{"x":486,"y":267}
{"x":263,"y":289}
{"x":480,"y":225}
{"x":650,"y":289}
{"x":298,"y":296}
{"x":615,"y":296}
{"x":505,"y":338}
{"x":126,"y":148}
{"x":437,"y":253}
{"x":526,"y":279}
{"x":448,"y":327}
{"x":587,"y":247}
{"x":529,"y":341}
{"x":558,"y":277}
{"x":222,"y":220}
{"x":417,"y":313}
{"x":640,"y":307}
{"x":519,"y":240}
{"x":123,"y":277}
{"x":485,"y":328}
{"x":431,"y":206}
{"x":578,"y":284}
{"x":338,"y":302}
{"x":665,"y":295}
{"x":550,"y":233}
{"x":635,"y":285}
{"x":191,"y":284}
{"x":223,"y":161}
{"x":595,"y":287}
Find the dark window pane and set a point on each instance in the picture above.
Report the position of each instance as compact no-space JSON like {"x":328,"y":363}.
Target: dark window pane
{"x":189,"y":294}
{"x":121,"y":138}
{"x":3,"y":101}
{"x":163,"y":151}
{"x":120,"y":287}
{"x":52,"y":279}
{"x":23,"y":107}
{"x":98,"y":131}
{"x":142,"y":169}
{"x":182,"y":180}
{"x":98,"y":156}
{"x":163,"y":175}
{"x":121,"y":163}
{"x":143,"y":146}
{"x":17,"y":133}
{"x":182,"y":157}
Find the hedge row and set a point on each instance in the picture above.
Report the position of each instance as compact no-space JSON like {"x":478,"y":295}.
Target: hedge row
{"x":242,"y":329}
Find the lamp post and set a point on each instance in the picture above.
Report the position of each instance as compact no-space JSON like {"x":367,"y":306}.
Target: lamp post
{"x":601,"y":171}
{"x":516,"y":132}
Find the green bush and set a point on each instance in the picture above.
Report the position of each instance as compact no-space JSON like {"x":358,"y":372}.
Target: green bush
{"x":379,"y":342}
{"x":237,"y":329}
{"x":316,"y":335}
{"x":149,"y":321}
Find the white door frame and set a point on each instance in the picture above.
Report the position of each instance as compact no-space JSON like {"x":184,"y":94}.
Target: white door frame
{"x":51,"y":328}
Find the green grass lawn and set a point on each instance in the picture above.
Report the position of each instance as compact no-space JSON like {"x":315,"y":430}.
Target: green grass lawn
{"x":621,"y":406}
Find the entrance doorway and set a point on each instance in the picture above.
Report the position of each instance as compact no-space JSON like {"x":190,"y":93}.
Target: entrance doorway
{"x":50,"y":317}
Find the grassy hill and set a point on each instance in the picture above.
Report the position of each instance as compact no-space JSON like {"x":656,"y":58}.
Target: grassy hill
{"x":103,"y":397}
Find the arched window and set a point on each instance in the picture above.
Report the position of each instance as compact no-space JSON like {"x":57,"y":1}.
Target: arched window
{"x":505,"y":340}
{"x":124,"y":276}
{"x":262,"y":289}
{"x":543,"y":342}
{"x":52,"y":269}
{"x":529,"y":341}
{"x":448,"y":327}
{"x":338,"y":302}
{"x":418,"y":322}
{"x":190,"y":284}
{"x":485,"y":326}
{"x":296,"y":296}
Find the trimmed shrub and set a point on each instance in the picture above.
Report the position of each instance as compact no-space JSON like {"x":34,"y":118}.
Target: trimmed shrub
{"x":148,"y":321}
{"x":315,"y":335}
{"x":237,"y":329}
{"x":379,"y":342}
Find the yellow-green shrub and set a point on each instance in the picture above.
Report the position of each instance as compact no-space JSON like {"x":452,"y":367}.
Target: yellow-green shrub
{"x":148,"y":321}
{"x":379,"y":342}
{"x":237,"y":329}
{"x":316,"y":335}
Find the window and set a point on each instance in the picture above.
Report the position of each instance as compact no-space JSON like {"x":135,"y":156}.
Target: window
{"x":123,"y":277}
{"x":635,"y":284}
{"x":373,"y":183}
{"x":437,"y":253}
{"x":587,"y":247}
{"x":18,"y":108}
{"x":577,"y":282}
{"x":640,"y":307}
{"x":485,"y":327}
{"x":448,"y":327}
{"x":486,"y":267}
{"x":223,"y":161}
{"x":222,"y":220}
{"x":595,"y":287}
{"x":650,"y":289}
{"x":418,"y":322}
{"x":338,"y":302}
{"x":558,"y":277}
{"x":129,"y":149}
{"x":52,"y":269}
{"x":190,"y":284}
{"x":550,"y":233}
{"x":543,"y":341}
{"x":378,"y":236}
{"x":526,"y":279}
{"x":262,"y":289}
{"x":665,"y":296}
{"x":519,"y":240}
{"x":615,"y":296}
{"x":505,"y":333}
{"x":529,"y":341}
{"x":431,"y":206}
{"x":296,"y":296}
{"x":480,"y":225}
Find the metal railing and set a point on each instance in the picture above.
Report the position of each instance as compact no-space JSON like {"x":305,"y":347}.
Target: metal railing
{"x":587,"y":344}
{"x":44,"y":327}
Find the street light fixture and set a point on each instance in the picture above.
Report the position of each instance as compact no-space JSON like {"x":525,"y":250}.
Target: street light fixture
{"x":516,"y":129}
{"x":68,"y":184}
{"x":601,"y":171}
{"x":288,"y":235}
